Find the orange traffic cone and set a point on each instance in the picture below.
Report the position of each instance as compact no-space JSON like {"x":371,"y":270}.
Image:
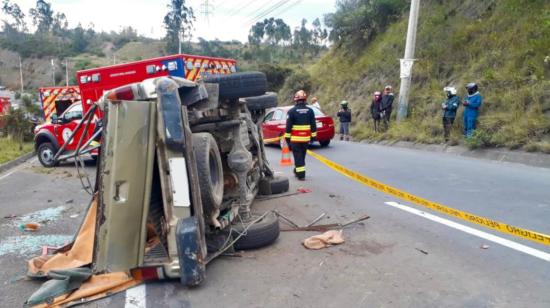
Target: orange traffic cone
{"x":285,"y":155}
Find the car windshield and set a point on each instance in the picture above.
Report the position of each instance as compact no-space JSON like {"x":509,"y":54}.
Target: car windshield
{"x":318,"y":113}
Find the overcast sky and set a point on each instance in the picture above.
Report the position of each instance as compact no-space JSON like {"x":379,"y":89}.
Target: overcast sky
{"x":228,"y":19}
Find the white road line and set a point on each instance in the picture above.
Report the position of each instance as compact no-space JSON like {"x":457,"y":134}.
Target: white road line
{"x":135,"y":297}
{"x":484,"y":235}
{"x":8,"y":174}
{"x":14,"y":170}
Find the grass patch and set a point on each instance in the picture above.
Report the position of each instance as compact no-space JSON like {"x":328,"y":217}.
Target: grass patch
{"x":498,"y":44}
{"x":10,"y":149}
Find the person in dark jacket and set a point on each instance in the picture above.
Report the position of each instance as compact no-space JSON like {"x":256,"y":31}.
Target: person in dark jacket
{"x":471,"y":109}
{"x":449,"y":110}
{"x":301,"y":128}
{"x":344,"y":115}
{"x":386,"y":105}
{"x":375,"y":110}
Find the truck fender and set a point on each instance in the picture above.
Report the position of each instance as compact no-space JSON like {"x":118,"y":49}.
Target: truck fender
{"x":45,"y":136}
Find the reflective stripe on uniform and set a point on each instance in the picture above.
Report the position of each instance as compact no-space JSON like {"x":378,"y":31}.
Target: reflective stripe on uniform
{"x":301,"y":127}
{"x":301,"y":169}
{"x":299,"y":139}
{"x":287,"y":135}
{"x":314,"y":134}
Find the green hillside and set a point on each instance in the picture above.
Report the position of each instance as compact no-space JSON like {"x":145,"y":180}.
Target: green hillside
{"x":503,"y":45}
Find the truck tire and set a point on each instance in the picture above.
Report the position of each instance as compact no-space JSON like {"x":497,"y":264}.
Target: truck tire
{"x":260,"y":234}
{"x":262,"y":102}
{"x":275,"y":185}
{"x":239,"y":85}
{"x":210,"y":171}
{"x":46,"y":152}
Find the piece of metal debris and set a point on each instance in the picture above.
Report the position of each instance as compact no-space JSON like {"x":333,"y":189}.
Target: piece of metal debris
{"x":422,"y":251}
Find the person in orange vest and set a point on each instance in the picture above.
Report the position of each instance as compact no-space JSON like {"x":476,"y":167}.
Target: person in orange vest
{"x":301,"y":129}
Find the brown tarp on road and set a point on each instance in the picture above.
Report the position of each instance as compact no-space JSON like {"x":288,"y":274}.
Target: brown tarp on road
{"x":72,"y":281}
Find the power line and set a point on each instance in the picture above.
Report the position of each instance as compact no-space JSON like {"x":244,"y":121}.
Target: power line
{"x":284,"y":10}
{"x":273,"y":13}
{"x":267,"y":11}
{"x":237,"y":10}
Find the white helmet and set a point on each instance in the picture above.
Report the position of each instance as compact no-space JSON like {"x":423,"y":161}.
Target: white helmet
{"x":451,"y":90}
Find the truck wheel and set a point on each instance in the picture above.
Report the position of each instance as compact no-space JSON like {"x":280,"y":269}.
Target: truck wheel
{"x":262,"y":102}
{"x":46,"y":153}
{"x":260,"y":234}
{"x":239,"y":85}
{"x":272,"y":186}
{"x":209,"y":167}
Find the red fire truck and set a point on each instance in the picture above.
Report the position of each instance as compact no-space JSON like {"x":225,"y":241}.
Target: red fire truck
{"x":55,"y":135}
{"x":5,"y":106}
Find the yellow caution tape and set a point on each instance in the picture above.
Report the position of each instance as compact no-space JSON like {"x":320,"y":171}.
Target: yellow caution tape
{"x":534,"y":236}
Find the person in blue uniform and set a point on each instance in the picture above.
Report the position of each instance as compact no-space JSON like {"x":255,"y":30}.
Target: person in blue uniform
{"x":472,"y":103}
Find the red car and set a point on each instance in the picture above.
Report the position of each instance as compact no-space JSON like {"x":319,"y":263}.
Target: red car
{"x":274,"y":125}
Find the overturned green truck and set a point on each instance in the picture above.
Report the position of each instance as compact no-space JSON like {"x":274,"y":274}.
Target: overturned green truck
{"x":179,"y":168}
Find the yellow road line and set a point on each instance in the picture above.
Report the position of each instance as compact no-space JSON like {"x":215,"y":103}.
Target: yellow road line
{"x":530,"y":235}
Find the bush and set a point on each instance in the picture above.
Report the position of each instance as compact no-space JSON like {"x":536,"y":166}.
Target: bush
{"x":276,"y":75}
{"x":299,"y":80}
{"x":479,"y":139}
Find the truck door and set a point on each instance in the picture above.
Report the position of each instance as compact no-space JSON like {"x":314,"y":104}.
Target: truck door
{"x":66,"y":124}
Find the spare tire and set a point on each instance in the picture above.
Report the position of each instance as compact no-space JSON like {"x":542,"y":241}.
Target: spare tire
{"x":262,"y":102}
{"x":238,"y":85}
{"x":260,"y":234}
{"x":210,"y":171}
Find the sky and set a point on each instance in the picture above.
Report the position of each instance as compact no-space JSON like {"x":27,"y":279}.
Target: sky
{"x":227,"y":20}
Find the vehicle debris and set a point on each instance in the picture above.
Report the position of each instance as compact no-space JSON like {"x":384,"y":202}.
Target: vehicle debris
{"x":422,"y":251}
{"x":316,"y":220}
{"x":327,"y":239}
{"x":319,"y":228}
{"x":31,"y":226}
{"x":484,"y":246}
{"x":10,"y":216}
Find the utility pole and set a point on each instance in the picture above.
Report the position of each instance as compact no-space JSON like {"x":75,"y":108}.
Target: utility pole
{"x":53,"y":73}
{"x":179,"y":41}
{"x":21,"y":74}
{"x":66,"y":72}
{"x":407,"y":61}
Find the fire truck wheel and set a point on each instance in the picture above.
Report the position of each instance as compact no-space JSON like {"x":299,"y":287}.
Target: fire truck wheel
{"x":209,"y":167}
{"x":273,"y":186}
{"x":262,"y":102}
{"x":260,"y":234}
{"x":46,"y":153}
{"x":240,"y":85}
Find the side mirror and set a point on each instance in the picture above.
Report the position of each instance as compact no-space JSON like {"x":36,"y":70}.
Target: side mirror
{"x":54,"y":118}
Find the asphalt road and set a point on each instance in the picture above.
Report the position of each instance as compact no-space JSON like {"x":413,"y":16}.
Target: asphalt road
{"x":394,"y":259}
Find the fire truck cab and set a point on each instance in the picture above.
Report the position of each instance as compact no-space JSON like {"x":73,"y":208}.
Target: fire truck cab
{"x":5,"y":106}
{"x":65,"y":107}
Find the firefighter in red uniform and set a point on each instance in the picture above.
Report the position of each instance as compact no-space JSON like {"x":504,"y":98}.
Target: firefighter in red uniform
{"x":301,"y":128}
